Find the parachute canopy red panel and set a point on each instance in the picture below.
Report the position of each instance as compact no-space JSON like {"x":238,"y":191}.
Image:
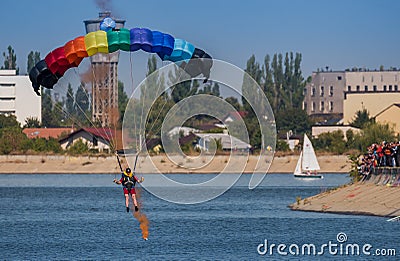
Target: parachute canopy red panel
{"x":108,"y":40}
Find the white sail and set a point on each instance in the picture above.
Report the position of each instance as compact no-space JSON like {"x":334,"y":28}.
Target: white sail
{"x":297,"y":171}
{"x":310,"y":162}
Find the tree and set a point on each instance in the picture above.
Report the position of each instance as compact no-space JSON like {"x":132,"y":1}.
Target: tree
{"x":122,"y":100}
{"x":8,"y":121}
{"x":293,"y":119}
{"x":234,"y":102}
{"x":331,"y":141}
{"x":374,"y":132}
{"x":32,"y":122}
{"x":81,"y":106}
{"x":33,"y":59}
{"x":12,"y":138}
{"x":361,"y":119}
{"x":69,"y":102}
{"x":47,"y":109}
{"x":10,"y":60}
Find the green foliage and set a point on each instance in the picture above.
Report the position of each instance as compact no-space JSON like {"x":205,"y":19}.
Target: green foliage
{"x":122,"y":100}
{"x":361,"y":119}
{"x":33,"y":59}
{"x":82,"y":105}
{"x":215,"y":145}
{"x":293,"y":119}
{"x":282,"y":82}
{"x":354,"y":173}
{"x":11,"y":139}
{"x":69,"y":102}
{"x":10,"y":60}
{"x":47,"y":109}
{"x":79,"y":147}
{"x":32,"y":122}
{"x":372,"y":133}
{"x":282,"y":145}
{"x":234,"y":102}
{"x":8,"y":121}
{"x":331,"y":142}
{"x":212,"y":89}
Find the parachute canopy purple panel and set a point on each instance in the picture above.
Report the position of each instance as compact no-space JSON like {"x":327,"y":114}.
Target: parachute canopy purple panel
{"x":47,"y":72}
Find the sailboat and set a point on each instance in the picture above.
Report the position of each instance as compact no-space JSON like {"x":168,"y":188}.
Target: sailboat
{"x":307,"y":165}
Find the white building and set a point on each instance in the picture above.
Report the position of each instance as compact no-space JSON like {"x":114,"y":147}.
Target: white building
{"x":228,"y":142}
{"x":17,"y":97}
{"x":97,"y":139}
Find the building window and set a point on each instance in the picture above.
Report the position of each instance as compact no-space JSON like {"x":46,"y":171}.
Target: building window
{"x":339,"y":78}
{"x":331,"y":91}
{"x":313,"y":92}
{"x":7,"y":84}
{"x":304,"y":106}
{"x":331,"y":106}
{"x":95,"y":142}
{"x":375,"y":88}
{"x":349,"y":88}
{"x":384,"y":88}
{"x":321,"y":93}
{"x":390,"y":88}
{"x":396,"y":88}
{"x":321,"y":106}
{"x":363,"y":78}
{"x":381,"y":78}
{"x":313,"y":106}
{"x":372,"y":78}
{"x":358,"y":88}
{"x":366,"y":88}
{"x":304,"y":91}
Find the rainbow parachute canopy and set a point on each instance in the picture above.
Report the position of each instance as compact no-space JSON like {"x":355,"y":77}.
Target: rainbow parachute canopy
{"x":108,"y":40}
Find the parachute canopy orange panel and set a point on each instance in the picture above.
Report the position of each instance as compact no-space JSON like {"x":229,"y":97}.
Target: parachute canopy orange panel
{"x":75,"y":50}
{"x":108,"y":40}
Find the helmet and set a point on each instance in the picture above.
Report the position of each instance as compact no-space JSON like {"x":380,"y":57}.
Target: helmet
{"x":128,"y":170}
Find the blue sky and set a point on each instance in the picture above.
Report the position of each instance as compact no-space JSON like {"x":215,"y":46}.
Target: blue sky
{"x":335,"y":33}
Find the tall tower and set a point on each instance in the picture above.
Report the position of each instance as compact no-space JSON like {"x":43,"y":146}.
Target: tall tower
{"x":105,"y":78}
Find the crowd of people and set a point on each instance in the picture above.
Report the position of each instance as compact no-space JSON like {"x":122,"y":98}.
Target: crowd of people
{"x":385,"y":154}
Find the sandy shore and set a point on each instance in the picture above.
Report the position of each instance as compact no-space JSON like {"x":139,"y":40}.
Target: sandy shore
{"x":359,"y":199}
{"x":178,"y":164}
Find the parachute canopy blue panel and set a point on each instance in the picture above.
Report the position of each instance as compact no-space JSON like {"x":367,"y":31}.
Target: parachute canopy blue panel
{"x":182,"y":51}
{"x":141,"y":38}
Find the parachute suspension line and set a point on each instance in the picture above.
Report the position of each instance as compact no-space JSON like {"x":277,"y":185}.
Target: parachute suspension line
{"x":65,"y":112}
{"x":114,"y":110}
{"x":132,"y":85}
{"x":159,"y":112}
{"x":95,"y":81}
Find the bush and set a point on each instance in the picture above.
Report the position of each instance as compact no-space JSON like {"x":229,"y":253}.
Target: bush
{"x":77,"y":148}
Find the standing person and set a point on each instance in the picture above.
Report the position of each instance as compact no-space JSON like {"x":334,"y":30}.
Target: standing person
{"x":128,"y":181}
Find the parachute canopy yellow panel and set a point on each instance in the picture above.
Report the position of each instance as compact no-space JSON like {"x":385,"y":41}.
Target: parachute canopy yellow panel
{"x":96,"y":42}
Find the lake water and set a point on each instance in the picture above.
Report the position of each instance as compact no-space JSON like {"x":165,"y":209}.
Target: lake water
{"x":83,"y":217}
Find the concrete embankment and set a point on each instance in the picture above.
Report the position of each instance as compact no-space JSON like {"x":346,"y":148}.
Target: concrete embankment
{"x":178,"y":164}
{"x":378,"y":196}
